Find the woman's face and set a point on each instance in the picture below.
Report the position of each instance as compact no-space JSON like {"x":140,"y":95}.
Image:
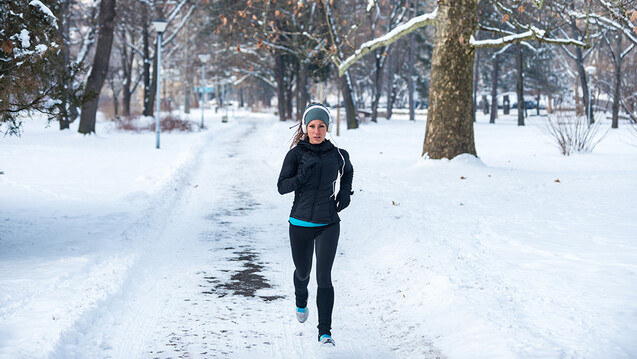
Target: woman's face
{"x":316,"y":131}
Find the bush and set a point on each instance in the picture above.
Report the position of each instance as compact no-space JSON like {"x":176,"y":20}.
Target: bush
{"x":147,"y":124}
{"x":572,"y":133}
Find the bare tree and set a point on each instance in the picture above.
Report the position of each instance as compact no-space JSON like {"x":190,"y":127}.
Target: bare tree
{"x":100,"y":67}
{"x":450,"y":120}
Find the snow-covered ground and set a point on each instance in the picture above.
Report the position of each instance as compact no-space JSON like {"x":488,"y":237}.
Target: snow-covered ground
{"x":110,"y":248}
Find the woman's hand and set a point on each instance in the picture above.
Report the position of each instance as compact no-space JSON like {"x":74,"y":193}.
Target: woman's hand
{"x":342,"y":200}
{"x":308,"y":161}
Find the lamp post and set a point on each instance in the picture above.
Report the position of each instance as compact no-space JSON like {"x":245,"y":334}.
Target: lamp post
{"x":590,"y":70}
{"x":203,"y":59}
{"x":160,"y":27}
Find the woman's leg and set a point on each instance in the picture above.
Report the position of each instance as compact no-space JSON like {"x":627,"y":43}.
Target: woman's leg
{"x":326,"y":243}
{"x":302,"y":244}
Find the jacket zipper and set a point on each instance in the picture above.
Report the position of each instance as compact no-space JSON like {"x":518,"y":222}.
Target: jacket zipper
{"x":318,"y":186}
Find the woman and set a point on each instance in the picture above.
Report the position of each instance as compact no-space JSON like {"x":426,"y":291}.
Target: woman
{"x":313,"y":169}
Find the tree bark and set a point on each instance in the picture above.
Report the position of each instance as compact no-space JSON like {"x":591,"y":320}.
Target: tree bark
{"x":280,"y":86}
{"x":410,"y":79}
{"x":378,"y":82}
{"x":66,"y":80}
{"x":449,"y":129}
{"x":519,"y":84}
{"x":98,"y":73}
{"x":494,"y":88}
{"x":476,"y":72}
{"x":581,"y":71}
{"x":302,"y":94}
{"x":348,"y":100}
{"x":153,"y":86}
{"x":148,"y":107}
{"x":127,"y":65}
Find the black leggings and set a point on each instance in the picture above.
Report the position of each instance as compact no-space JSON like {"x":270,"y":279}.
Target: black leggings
{"x":303,"y":240}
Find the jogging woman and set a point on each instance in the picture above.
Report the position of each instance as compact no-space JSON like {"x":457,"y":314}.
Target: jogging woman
{"x":315,"y":169}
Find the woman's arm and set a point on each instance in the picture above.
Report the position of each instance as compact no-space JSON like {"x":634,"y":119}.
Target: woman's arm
{"x":296,"y":170}
{"x":348,"y":174}
{"x":287,"y":178}
{"x":343,"y":197}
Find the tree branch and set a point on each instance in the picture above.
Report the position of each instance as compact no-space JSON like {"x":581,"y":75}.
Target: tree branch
{"x":385,"y":40}
{"x":532,"y":33}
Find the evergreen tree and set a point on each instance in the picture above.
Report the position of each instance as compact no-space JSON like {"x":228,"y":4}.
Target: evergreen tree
{"x":32,"y":70}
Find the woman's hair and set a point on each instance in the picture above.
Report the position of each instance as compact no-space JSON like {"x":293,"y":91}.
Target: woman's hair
{"x":298,"y":135}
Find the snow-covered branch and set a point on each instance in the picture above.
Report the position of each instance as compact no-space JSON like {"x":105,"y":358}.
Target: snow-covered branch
{"x":184,"y":20}
{"x":45,"y":9}
{"x":268,"y":81}
{"x":385,"y":40}
{"x":628,"y":49}
{"x":626,"y":29}
{"x":532,"y":33}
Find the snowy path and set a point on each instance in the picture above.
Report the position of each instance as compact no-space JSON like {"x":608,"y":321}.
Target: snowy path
{"x":215,"y":283}
{"x":112,"y":249}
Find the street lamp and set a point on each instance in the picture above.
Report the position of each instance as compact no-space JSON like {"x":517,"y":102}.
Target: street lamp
{"x":203,"y":59}
{"x":160,"y":27}
{"x":590,"y":70}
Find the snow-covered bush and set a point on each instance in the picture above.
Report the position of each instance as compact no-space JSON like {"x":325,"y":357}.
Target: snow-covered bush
{"x":167,"y":123}
{"x":572,"y":133}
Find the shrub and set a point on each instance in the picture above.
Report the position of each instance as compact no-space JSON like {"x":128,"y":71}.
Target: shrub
{"x":572,"y":133}
{"x":147,"y":124}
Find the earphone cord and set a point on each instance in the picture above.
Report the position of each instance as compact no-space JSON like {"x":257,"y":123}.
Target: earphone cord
{"x":342,"y":167}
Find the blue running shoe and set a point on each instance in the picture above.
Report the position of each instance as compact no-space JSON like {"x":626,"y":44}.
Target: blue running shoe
{"x":302,"y":314}
{"x":326,"y":339}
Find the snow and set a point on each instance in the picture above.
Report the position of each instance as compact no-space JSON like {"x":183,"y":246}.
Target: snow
{"x":45,"y":9}
{"x":112,"y":248}
{"x":370,"y":5}
{"x":25,"y":38}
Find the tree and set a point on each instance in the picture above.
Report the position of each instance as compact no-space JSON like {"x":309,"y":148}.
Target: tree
{"x":32,"y":71}
{"x":449,"y":130}
{"x":78,"y":30}
{"x":617,"y":55}
{"x":450,"y":121}
{"x":99,"y":70}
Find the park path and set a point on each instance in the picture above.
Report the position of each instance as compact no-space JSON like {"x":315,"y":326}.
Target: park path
{"x":216,"y":282}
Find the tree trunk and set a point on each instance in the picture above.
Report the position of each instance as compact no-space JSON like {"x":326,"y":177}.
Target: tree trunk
{"x":476,"y":71}
{"x":390,"y":85}
{"x":127,"y":65}
{"x":187,"y":94}
{"x":302,"y":94}
{"x":506,"y":104}
{"x":153,"y":86}
{"x":410,"y":78}
{"x":494,"y":88}
{"x":378,"y":82}
{"x":617,"y":82}
{"x":148,"y":107}
{"x":348,"y":100}
{"x":582,"y":78}
{"x":64,"y":15}
{"x":98,"y":73}
{"x":410,"y":84}
{"x":288,"y":99}
{"x":449,"y":129}
{"x":519,"y":87}
{"x":280,"y":86}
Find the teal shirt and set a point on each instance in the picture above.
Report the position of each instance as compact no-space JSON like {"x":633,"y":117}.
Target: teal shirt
{"x":300,"y":223}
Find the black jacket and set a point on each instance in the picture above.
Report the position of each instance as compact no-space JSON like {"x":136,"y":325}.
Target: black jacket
{"x":314,"y":199}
